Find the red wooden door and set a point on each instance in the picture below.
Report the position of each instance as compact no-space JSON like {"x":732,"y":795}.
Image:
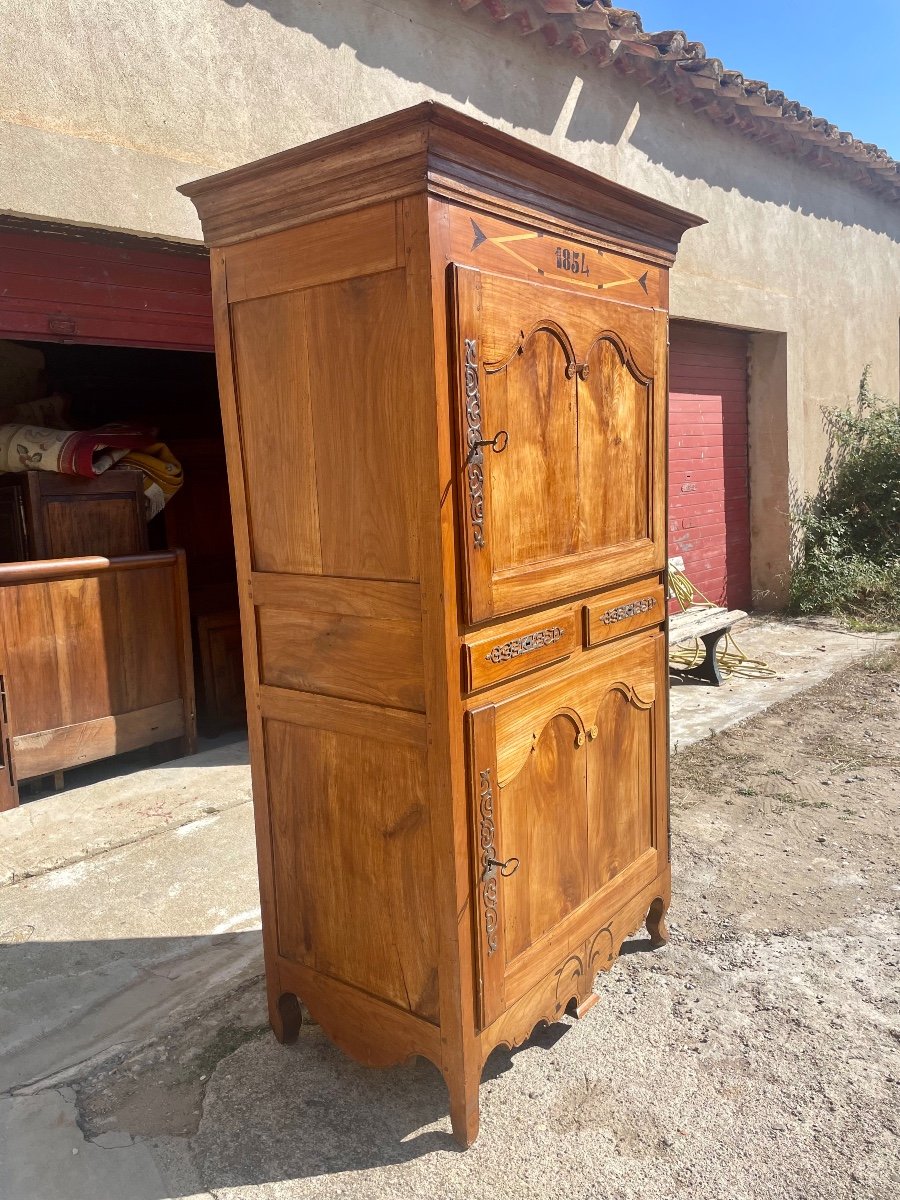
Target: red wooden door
{"x":709,"y":494}
{"x":116,"y":291}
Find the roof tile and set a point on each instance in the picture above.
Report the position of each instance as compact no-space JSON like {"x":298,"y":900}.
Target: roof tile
{"x":669,"y":62}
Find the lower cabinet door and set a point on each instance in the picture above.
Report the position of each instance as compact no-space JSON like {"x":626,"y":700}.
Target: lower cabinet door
{"x":569,"y":811}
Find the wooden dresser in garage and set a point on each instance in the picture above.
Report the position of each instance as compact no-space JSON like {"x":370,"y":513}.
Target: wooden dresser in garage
{"x":442,"y":359}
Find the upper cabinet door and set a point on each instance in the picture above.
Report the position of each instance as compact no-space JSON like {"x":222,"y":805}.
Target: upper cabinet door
{"x":561,"y":436}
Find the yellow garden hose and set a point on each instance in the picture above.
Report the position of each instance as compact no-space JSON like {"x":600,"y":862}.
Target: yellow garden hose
{"x":731,"y":658}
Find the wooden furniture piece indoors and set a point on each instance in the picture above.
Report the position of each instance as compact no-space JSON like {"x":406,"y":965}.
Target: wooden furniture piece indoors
{"x":198,"y":519}
{"x":221,"y":682}
{"x":44,"y":515}
{"x":442,"y":361}
{"x":96,"y":660}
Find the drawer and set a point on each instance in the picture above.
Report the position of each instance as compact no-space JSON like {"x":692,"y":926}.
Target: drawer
{"x":516,"y":648}
{"x":624,"y":610}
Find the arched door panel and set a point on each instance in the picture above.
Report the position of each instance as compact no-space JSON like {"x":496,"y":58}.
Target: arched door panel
{"x":561,"y":441}
{"x":545,"y":826}
{"x":615,"y":405}
{"x":565,"y":780}
{"x":620,"y":796}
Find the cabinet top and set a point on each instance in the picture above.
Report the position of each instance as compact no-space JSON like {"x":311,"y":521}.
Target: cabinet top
{"x":428,"y":148}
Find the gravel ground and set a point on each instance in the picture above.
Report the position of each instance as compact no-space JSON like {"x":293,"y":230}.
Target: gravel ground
{"x":757,"y":1056}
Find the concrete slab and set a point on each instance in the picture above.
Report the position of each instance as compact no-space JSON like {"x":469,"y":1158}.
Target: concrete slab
{"x":131,"y":906}
{"x":45,"y":1156}
{"x":802,"y":653}
{"x":98,"y":954}
{"x":41,"y":835}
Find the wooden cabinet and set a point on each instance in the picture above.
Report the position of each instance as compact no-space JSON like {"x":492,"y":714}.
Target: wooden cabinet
{"x":44,"y":515}
{"x":95,"y":660}
{"x":442,"y":358}
{"x":198,"y":519}
{"x":221,"y":678}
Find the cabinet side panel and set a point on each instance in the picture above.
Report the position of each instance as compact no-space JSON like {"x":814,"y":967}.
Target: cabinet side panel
{"x":325,"y":394}
{"x":374,"y":660}
{"x":326,"y":460}
{"x":361,"y":388}
{"x":271,"y":356}
{"x":351,"y":831}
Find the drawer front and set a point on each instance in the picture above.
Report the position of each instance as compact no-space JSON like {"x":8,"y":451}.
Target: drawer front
{"x":625,"y":610}
{"x":514,"y":649}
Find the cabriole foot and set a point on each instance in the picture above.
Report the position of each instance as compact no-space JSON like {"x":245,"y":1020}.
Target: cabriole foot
{"x":285,"y":1018}
{"x":656,"y":923}
{"x":464,"y":1115}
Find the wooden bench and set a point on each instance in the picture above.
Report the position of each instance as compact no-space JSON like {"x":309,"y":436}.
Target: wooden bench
{"x":708,"y":625}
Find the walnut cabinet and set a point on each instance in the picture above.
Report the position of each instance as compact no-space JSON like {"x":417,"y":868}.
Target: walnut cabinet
{"x":442,"y":361}
{"x":44,"y":515}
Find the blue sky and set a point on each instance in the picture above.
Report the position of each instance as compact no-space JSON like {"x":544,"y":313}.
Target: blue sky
{"x":839,"y":59}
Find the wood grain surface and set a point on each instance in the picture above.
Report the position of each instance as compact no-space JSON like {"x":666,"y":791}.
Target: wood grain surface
{"x":442,"y":358}
{"x":97,"y":658}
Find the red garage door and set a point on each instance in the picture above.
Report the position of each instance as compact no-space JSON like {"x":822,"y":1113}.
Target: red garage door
{"x":709,"y":497}
{"x":63,"y":285}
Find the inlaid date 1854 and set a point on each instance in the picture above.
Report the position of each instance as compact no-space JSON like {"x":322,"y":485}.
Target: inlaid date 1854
{"x":575,"y":261}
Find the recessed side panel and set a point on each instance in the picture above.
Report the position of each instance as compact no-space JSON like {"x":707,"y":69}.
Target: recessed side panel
{"x":271,"y":349}
{"x":324,"y":396}
{"x":352,"y":861}
{"x":360,"y":658}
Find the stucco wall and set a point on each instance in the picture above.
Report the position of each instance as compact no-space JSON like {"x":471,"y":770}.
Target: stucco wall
{"x":105,"y":107}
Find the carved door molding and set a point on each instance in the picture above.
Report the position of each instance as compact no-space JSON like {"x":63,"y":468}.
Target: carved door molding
{"x":564,"y":781}
{"x":561,"y":441}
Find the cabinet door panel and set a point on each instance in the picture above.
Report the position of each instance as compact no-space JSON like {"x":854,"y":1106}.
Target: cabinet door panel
{"x":570,"y":779}
{"x":620,"y":792}
{"x":545,"y":825}
{"x":534,"y":504}
{"x":614,"y":409}
{"x":561,"y":441}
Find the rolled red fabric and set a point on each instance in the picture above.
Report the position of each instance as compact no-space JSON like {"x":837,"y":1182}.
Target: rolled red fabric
{"x":87,"y":452}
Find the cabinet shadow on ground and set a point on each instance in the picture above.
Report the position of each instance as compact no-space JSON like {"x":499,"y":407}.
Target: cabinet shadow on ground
{"x":257,"y":1112}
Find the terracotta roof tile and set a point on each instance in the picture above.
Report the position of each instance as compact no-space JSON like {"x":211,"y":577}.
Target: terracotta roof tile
{"x":669,"y":62}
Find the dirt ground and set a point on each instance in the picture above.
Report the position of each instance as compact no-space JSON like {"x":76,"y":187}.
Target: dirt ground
{"x":757,"y":1056}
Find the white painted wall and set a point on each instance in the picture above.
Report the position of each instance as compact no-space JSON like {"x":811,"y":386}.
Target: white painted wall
{"x":105,"y":107}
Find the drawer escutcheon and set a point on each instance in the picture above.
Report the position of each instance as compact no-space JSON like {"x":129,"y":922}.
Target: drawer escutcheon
{"x":633,"y":609}
{"x":500,"y":654}
{"x":524,"y":645}
{"x":625,"y":610}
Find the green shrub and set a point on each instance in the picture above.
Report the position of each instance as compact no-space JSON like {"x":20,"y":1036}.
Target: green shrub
{"x":849,"y":532}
